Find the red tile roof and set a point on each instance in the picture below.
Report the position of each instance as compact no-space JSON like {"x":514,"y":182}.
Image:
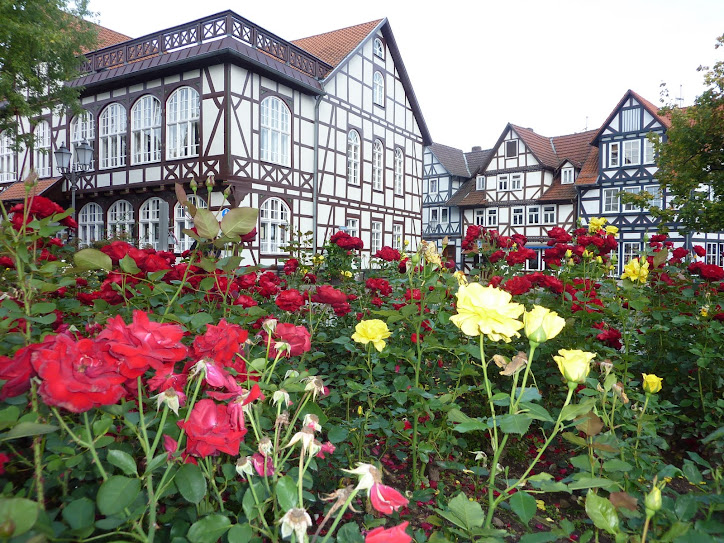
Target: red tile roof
{"x":557,"y":191}
{"x":16,"y":191}
{"x":333,"y":47}
{"x":574,"y":148}
{"x":589,"y":171}
{"x":539,"y":145}
{"x":648,"y":106}
{"x":108,"y":37}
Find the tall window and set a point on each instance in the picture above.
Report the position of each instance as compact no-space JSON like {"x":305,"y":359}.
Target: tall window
{"x":146,"y":130}
{"x":516,"y":181}
{"x":502,"y":182}
{"x":397,"y":237}
{"x":274,"y":225}
{"x":631,"y":206}
{"x":353,"y":157}
{"x":610,"y":200}
{"x":549,"y":214}
{"x":511,"y":149}
{"x":42,"y":149}
{"x":630,"y":119}
{"x":275,"y":131}
{"x":377,"y":150}
{"x":434,"y":217}
{"x":480,"y":217}
{"x":492,"y":217}
{"x":433,"y":186}
{"x":378,"y":89}
{"x":90,"y":224}
{"x":444,"y":215}
{"x":149,"y":223}
{"x":649,"y":155}
{"x":480,"y":182}
{"x":182,"y":123}
{"x":120,"y":220}
{"x":112,"y":137}
{"x":534,"y":215}
{"x":631,"y":152}
{"x":378,"y":48}
{"x":614,"y":154}
{"x":352,"y":226}
{"x":655,"y":191}
{"x":376,"y":237}
{"x":629,"y":250}
{"x":518,"y":216}
{"x":82,"y":128}
{"x":399,"y":164}
{"x":8,"y":160}
{"x":567,"y":176}
{"x":182,"y":220}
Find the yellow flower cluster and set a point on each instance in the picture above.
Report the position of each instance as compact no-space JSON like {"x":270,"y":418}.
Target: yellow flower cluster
{"x":372,"y":331}
{"x":489,"y":311}
{"x":635,"y":271}
{"x":596,"y":224}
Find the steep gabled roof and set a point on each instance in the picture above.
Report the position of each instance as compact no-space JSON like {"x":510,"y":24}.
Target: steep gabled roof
{"x":467,"y":196}
{"x":574,"y":148}
{"x":648,"y":106}
{"x":16,"y":191}
{"x":540,"y":146}
{"x":589,"y":172}
{"x":452,"y":159}
{"x":477,"y":158}
{"x":333,"y":47}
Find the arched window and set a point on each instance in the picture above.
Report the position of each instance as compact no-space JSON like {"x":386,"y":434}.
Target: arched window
{"x":90,"y":224}
{"x":120,"y":220}
{"x":149,"y":223}
{"x":353,"y":157}
{"x":399,"y":161}
{"x":112,"y":137}
{"x":275,"y":131}
{"x":182,"y":220}
{"x":273,"y":225}
{"x":378,"y":48}
{"x":182,"y":123}
{"x":378,"y":89}
{"x":82,"y":128}
{"x":41,"y":155}
{"x":8,"y":159}
{"x":377,"y":150}
{"x":146,"y":130}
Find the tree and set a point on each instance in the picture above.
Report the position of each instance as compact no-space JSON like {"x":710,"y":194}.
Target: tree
{"x":691,"y":162}
{"x":41,"y":42}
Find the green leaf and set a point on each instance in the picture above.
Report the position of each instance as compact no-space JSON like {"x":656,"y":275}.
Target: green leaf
{"x":42,"y":308}
{"x":239,"y":221}
{"x":8,"y":416}
{"x":692,"y":473}
{"x":210,"y":528}
{"x":116,"y":494}
{"x":471,"y":426}
{"x":602,"y":512}
{"x":191,"y":483}
{"x":349,"y":533}
{"x":463,"y":513}
{"x":523,"y":505}
{"x":21,"y":511}
{"x":337,"y":434}
{"x":535,"y":411}
{"x":574,"y":411}
{"x":128,"y":265}
{"x":123,"y":461}
{"x":515,"y":424}
{"x":287,"y":494}
{"x":27,"y":429}
{"x":240,"y":533}
{"x":80,"y":513}
{"x":207,"y":225}
{"x":591,"y":482}
{"x":616,"y":465}
{"x":92,"y":259}
{"x":542,"y":537}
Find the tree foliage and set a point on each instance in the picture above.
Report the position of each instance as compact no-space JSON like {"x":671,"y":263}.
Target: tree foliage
{"x":691,"y":162}
{"x":40,"y":45}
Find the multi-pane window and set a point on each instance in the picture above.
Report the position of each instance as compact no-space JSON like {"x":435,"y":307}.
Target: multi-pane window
{"x":649,"y":151}
{"x":149,"y":223}
{"x":511,"y":149}
{"x":182,"y":220}
{"x":399,"y":164}
{"x":376,"y":237}
{"x":631,"y":206}
{"x":567,"y":176}
{"x":146,"y":130}
{"x":274,"y":225}
{"x":120,"y":220}
{"x":614,"y":154}
{"x":444,"y":215}
{"x":492,"y":217}
{"x":480,"y":217}
{"x":631,"y":152}
{"x":182,"y":123}
{"x":534,"y":264}
{"x":480,"y":182}
{"x":534,"y":215}
{"x":629,"y":250}
{"x":715,"y":253}
{"x":353,"y":157}
{"x":397,"y":237}
{"x":434,"y":217}
{"x":655,"y":192}
{"x":377,"y":151}
{"x":516,"y":181}
{"x":518,"y":216}
{"x":112,"y":137}
{"x":610,"y":200}
{"x":90,"y":224}
{"x":42,"y":149}
{"x":275,"y":136}
{"x":82,"y":129}
{"x":502,"y":182}
{"x":8,"y":160}
{"x":630,"y":119}
{"x":352,"y":226}
{"x":378,"y":48}
{"x":433,"y":186}
{"x":378,"y":89}
{"x":549,"y":214}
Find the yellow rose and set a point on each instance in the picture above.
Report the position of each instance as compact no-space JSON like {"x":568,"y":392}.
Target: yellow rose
{"x":372,"y":331}
{"x":461,"y":277}
{"x":596,"y":224}
{"x":635,"y":271}
{"x":651,"y":384}
{"x":346,"y":273}
{"x":611,"y":230}
{"x":489,"y":311}
{"x":574,"y":364}
{"x":542,"y":324}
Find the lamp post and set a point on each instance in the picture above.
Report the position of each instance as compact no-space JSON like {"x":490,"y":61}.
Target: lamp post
{"x":83,"y":158}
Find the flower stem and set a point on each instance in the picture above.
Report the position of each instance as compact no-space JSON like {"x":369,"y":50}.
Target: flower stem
{"x":340,"y":515}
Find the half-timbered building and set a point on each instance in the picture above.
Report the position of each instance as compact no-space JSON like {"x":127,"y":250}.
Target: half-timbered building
{"x":319,"y":134}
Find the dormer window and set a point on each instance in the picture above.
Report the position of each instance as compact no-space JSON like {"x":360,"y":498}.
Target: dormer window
{"x":378,"y":48}
{"x":511,"y":149}
{"x":567,"y":176}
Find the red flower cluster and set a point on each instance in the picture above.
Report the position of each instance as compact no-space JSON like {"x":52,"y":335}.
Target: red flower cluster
{"x":345,"y":241}
{"x":379,"y":285}
{"x":710,"y":272}
{"x":297,"y":340}
{"x":40,"y":207}
{"x":388,"y":254}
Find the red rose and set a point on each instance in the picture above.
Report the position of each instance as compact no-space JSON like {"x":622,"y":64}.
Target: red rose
{"x":699,"y":250}
{"x":245,"y":301}
{"x":386,"y":499}
{"x":658,"y":238}
{"x":326,"y":294}
{"x":712,"y":272}
{"x":209,"y":432}
{"x":519,"y":239}
{"x":117,"y":250}
{"x":7,"y":262}
{"x":518,"y":285}
{"x":396,"y":534}
{"x":379,"y":285}
{"x":341,"y":309}
{"x":221,"y":343}
{"x":680,"y":252}
{"x":298,"y":338}
{"x":17,"y":372}
{"x":251,"y":236}
{"x":310,"y":279}
{"x":402,"y":267}
{"x":388,"y":253}
{"x":290,"y":300}
{"x":520,"y":256}
{"x":246,"y":281}
{"x":76,"y":376}
{"x":290,"y":266}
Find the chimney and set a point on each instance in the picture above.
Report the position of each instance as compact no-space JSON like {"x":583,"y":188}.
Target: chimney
{"x":477,"y":148}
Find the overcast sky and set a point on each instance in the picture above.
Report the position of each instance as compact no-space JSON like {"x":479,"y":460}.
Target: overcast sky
{"x":558,"y":67}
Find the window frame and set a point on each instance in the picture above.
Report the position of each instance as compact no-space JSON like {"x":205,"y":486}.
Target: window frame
{"x":631,"y":207}
{"x":8,"y":159}
{"x":604,"y":198}
{"x":378,"y":88}
{"x":90,"y":229}
{"x":150,"y":225}
{"x":275,"y":131}
{"x":517,"y":212}
{"x":568,"y":175}
{"x":41,"y":152}
{"x":378,"y":150}
{"x":490,"y":213}
{"x":480,"y":182}
{"x":399,"y":188}
{"x":480,"y":217}
{"x":534,"y":210}
{"x":353,"y":157}
{"x":433,"y":185}
{"x":182,"y":220}
{"x":516,"y":181}
{"x":632,"y":116}
{"x":378,"y":48}
{"x":113,"y":221}
{"x":625,"y":245}
{"x":112,"y":132}
{"x":82,"y":129}
{"x":657,"y":194}
{"x":398,"y":236}
{"x":273,"y":229}
{"x":614,"y":145}
{"x":503,"y":182}
{"x":376,"y":236}
{"x":649,"y":155}
{"x":146,"y":128}
{"x":352,"y":226}
{"x":183,"y":122}
{"x":548,"y":212}
{"x":511,"y":144}
{"x":629,"y":146}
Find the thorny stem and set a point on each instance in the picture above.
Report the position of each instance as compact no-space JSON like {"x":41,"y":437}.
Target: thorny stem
{"x":340,"y":515}
{"x":37,"y":450}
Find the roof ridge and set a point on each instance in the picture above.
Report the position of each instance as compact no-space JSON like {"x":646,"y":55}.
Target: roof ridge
{"x":375,"y":21}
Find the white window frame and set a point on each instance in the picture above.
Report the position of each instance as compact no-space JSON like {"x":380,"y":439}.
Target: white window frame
{"x":90,"y":223}
{"x":41,"y":153}
{"x":275,"y":136}
{"x":712,"y":253}
{"x":509,"y":145}
{"x":444,"y":215}
{"x":629,"y":251}
{"x":149,"y":223}
{"x":121,"y":220}
{"x":399,"y":171}
{"x":353,"y":157}
{"x":491,"y":217}
{"x":658,"y":195}
{"x":352,"y":226}
{"x":631,"y":152}
{"x":378,"y":88}
{"x":183,"y":114}
{"x":182,"y":220}
{"x":112,"y":137}
{"x":377,"y":164}
{"x":631,"y":207}
{"x":433,"y":186}
{"x":8,"y":159}
{"x":503,"y":182}
{"x":480,"y":182}
{"x":535,"y":264}
{"x":274,"y":221}
{"x":549,"y":214}
{"x":82,"y":129}
{"x":375,"y":237}
{"x":397,"y":236}
{"x":567,"y":175}
{"x":434,"y":218}
{"x":146,"y":130}
{"x":480,"y":217}
{"x":516,"y":181}
{"x":631,"y":119}
{"x":649,"y":151}
{"x":609,"y":197}
{"x":534,"y":215}
{"x":517,"y":216}
{"x":614,"y":154}
{"x":378,"y":48}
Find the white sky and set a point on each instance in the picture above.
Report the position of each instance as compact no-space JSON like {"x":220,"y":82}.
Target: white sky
{"x":554,"y":66}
